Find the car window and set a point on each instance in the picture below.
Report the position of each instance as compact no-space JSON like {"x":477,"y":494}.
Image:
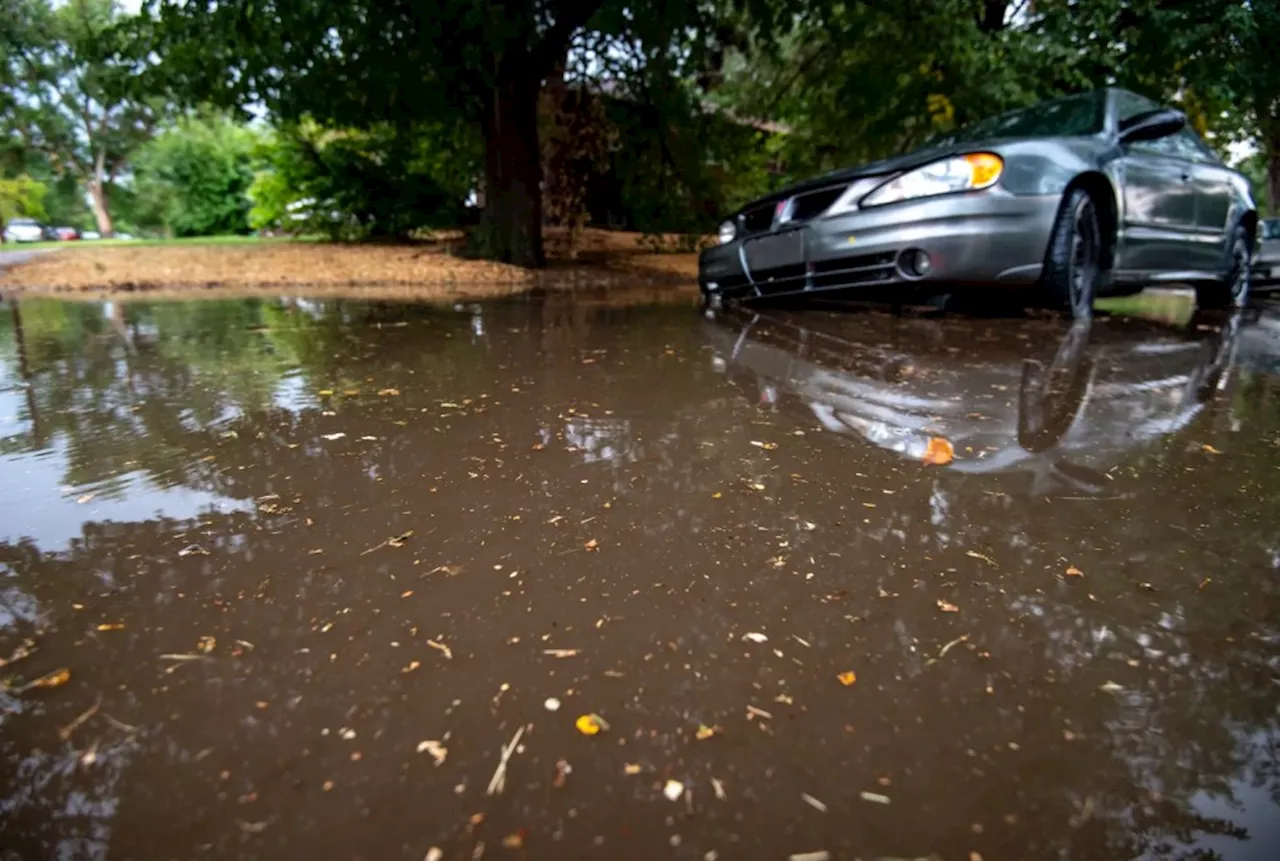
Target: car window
{"x":1185,"y":144}
{"x":1073,"y":115}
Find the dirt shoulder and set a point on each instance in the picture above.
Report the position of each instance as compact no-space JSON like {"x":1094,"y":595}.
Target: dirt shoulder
{"x":599,"y":259}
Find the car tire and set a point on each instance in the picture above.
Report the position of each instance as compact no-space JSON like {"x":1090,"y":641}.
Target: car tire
{"x":1233,"y":290}
{"x":1073,"y":262}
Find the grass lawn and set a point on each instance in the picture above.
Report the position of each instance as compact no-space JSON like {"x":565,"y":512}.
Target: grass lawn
{"x":145,"y":243}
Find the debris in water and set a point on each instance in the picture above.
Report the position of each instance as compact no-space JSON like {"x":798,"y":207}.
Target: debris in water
{"x":987,"y":559}
{"x":552,"y":704}
{"x":947,"y":607}
{"x":65,"y":732}
{"x":561,"y":653}
{"x":55,"y":679}
{"x":820,"y":855}
{"x":111,"y":626}
{"x":437,"y":750}
{"x":393,"y":541}
{"x":388,"y":393}
{"x":193,"y":550}
{"x":23,"y":651}
{"x":939,"y":452}
{"x":591,"y":545}
{"x":1111,"y":687}
{"x":499,"y":780}
{"x":705,"y":732}
{"x":752,"y":711}
{"x":767,"y":446}
{"x":1073,"y":571}
{"x":631,"y":768}
{"x":88,"y":497}
{"x":847,"y":678}
{"x":435,"y":853}
{"x":206,"y":644}
{"x":332,"y":436}
{"x":874,"y":797}
{"x":673,"y":790}
{"x":942,"y":653}
{"x":1210,"y":449}
{"x":441,"y":647}
{"x":813,"y":802}
{"x":718,"y":787}
{"x":755,"y":637}
{"x":591,"y":724}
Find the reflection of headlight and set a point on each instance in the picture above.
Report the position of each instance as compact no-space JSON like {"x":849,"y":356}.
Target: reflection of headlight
{"x":727,"y":232}
{"x":963,"y":173}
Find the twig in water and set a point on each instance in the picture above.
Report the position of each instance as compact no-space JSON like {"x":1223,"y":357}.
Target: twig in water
{"x":499,"y":781}
{"x":65,"y":732}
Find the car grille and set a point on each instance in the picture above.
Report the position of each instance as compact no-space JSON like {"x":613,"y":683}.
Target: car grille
{"x":804,"y":207}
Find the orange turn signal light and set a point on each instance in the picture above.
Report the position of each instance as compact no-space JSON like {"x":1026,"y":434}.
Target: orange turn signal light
{"x":986,"y":168}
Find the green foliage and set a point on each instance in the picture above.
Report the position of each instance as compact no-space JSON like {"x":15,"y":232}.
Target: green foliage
{"x":194,"y":178}
{"x":357,"y":183}
{"x":70,"y":77}
{"x":21,"y":197}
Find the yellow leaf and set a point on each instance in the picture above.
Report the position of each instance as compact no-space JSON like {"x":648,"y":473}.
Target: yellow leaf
{"x":591,"y":724}
{"x":705,"y":732}
{"x":111,"y":626}
{"x":206,"y":644}
{"x":1073,"y":571}
{"x":52,"y":680}
{"x":325,"y":392}
{"x":939,"y":452}
{"x":847,"y":678}
{"x":948,"y":607}
{"x":1210,"y":449}
{"x":388,"y":392}
{"x":592,"y":544}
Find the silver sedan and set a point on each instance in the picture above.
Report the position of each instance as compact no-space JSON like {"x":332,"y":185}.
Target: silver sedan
{"x":1089,"y":195}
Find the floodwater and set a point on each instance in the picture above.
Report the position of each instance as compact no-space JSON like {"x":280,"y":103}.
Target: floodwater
{"x":313,"y":566}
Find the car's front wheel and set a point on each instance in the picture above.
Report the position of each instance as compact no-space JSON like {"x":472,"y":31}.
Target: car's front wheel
{"x":1233,"y":290}
{"x":1073,"y":263}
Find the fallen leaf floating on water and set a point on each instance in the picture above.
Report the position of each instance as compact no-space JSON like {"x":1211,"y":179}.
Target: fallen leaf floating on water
{"x":631,"y":768}
{"x":987,"y":559}
{"x":767,"y":446}
{"x":752,"y":711}
{"x":1210,"y":449}
{"x":847,"y":678}
{"x":755,"y":637}
{"x":513,"y":841}
{"x":111,"y":626}
{"x":874,"y":797}
{"x":939,"y":452}
{"x":25,"y":650}
{"x":332,"y":436}
{"x":437,"y":750}
{"x":1073,"y":571}
{"x":591,"y":724}
{"x":193,"y":550}
{"x":673,"y":790}
{"x":820,"y":855}
{"x":551,"y":704}
{"x":388,"y":393}
{"x":562,"y":653}
{"x":206,"y":645}
{"x":50,"y":680}
{"x":947,"y":607}
{"x":1111,"y":687}
{"x":591,"y":545}
{"x":325,"y":392}
{"x":705,"y":732}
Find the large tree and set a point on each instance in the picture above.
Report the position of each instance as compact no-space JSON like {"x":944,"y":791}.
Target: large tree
{"x":68,"y":86}
{"x":483,"y":63}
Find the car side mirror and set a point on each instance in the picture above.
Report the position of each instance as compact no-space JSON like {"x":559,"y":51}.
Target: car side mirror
{"x":1152,"y":125}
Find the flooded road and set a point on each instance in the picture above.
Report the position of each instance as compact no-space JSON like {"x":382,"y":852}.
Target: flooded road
{"x":545,"y":580}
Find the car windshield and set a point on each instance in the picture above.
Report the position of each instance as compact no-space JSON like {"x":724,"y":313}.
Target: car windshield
{"x":1271,"y":228}
{"x":1073,"y":115}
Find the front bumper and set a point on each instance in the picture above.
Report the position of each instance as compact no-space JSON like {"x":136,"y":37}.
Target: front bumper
{"x":986,"y":237}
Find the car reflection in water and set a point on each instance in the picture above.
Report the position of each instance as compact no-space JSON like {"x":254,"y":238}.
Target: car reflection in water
{"x":1054,"y":408}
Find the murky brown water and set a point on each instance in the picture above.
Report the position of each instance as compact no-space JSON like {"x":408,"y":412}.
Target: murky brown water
{"x":1064,"y":644}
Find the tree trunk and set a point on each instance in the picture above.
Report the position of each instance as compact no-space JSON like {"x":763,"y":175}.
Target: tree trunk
{"x":511,"y":228}
{"x":101,"y":213}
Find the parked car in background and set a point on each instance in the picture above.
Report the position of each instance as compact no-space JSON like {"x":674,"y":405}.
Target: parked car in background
{"x":67,"y":234}
{"x":91,"y":234}
{"x":1088,"y":195}
{"x":1266,"y":259}
{"x":23,"y":230}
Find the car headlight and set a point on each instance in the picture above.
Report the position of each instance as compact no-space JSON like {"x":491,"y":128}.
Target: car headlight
{"x":962,"y":173}
{"x":728,"y":231}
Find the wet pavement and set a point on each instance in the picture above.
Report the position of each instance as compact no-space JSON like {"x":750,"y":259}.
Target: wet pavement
{"x":314,"y":566}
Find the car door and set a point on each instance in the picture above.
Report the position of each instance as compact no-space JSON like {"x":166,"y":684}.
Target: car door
{"x":1215,"y":202}
{"x":1158,"y":196}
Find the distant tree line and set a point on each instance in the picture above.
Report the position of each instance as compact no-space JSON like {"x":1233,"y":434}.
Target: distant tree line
{"x":386,"y":117}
